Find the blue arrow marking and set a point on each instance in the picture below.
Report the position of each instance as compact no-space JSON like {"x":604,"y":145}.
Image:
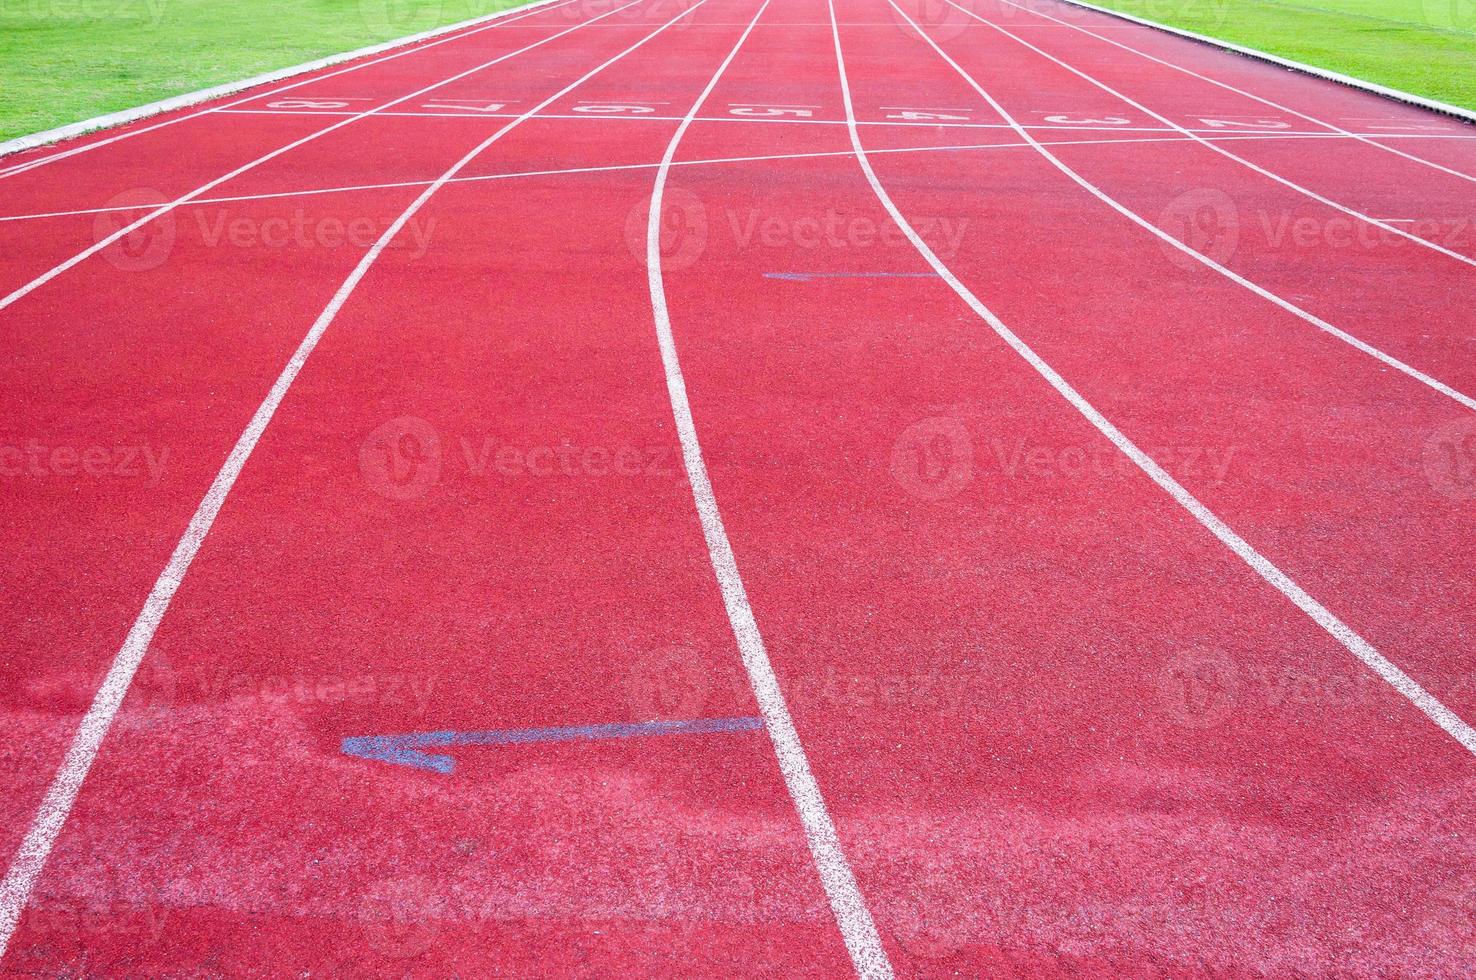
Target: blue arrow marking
{"x":405,"y":750}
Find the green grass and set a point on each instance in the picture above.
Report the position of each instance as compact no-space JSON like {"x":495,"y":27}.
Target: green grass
{"x":1427,"y":47}
{"x":66,"y":60}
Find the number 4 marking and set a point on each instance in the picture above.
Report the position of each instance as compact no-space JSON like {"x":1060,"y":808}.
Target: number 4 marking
{"x":1244,"y":123}
{"x":913,"y":115}
{"x":467,"y":107}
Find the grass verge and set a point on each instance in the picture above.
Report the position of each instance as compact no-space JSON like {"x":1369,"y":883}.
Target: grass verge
{"x":1426,"y":47}
{"x":62,"y":61}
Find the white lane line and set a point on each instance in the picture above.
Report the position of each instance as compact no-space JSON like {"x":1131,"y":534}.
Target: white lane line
{"x":1285,"y":182}
{"x":796,"y":121}
{"x":81,"y":256}
{"x":846,"y":902}
{"x":499,"y":19}
{"x":702,"y":162}
{"x":1336,"y":628}
{"x":30,"y":857}
{"x":1164,"y":236}
{"x":1238,"y":91}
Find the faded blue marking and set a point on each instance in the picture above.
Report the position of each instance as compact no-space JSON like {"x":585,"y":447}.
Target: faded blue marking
{"x":807,"y":276}
{"x":404,"y":750}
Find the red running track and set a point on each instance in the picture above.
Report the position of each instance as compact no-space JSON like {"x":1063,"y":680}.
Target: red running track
{"x":1045,"y":449}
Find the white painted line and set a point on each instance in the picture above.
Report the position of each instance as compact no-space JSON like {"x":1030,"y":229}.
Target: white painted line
{"x":55,"y":271}
{"x":1241,"y":92}
{"x":1173,"y":242}
{"x":708,"y":161}
{"x":792,"y":120}
{"x":846,"y":902}
{"x":34,"y":140}
{"x":1332,"y":76}
{"x":31,"y":857}
{"x":1269,"y":572}
{"x":1285,"y":182}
